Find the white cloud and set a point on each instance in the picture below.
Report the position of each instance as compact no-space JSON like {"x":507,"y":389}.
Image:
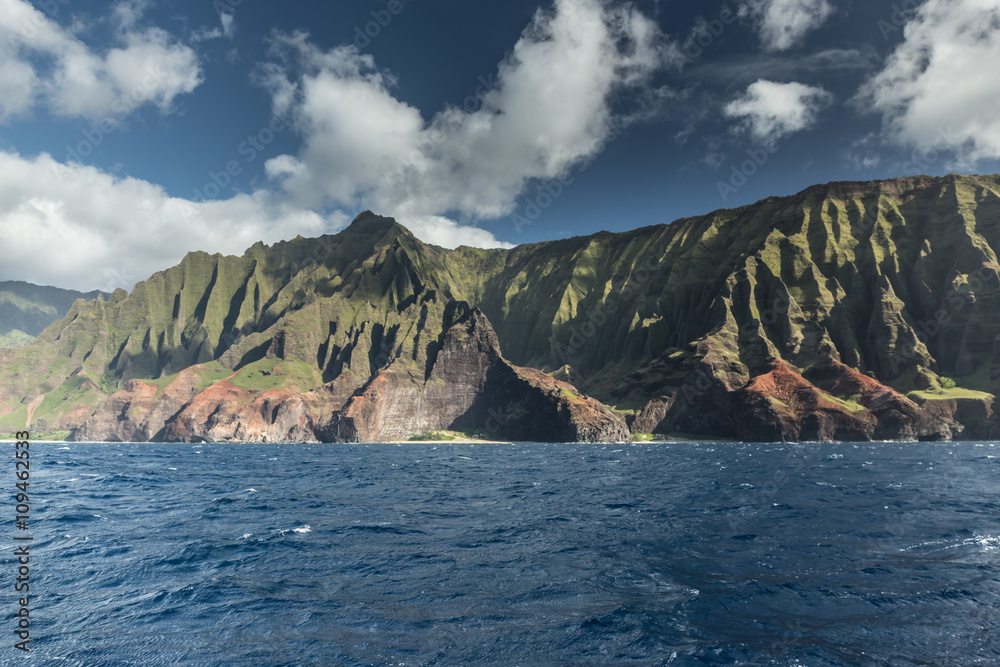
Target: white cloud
{"x":18,"y":83}
{"x":771,"y":111}
{"x":553,"y":105}
{"x":228,"y":25}
{"x":95,"y":230}
{"x":45,"y":63}
{"x":784,"y":23}
{"x":863,"y":153}
{"x":939,"y":90}
{"x":441,"y":231}
{"x":92,"y":228}
{"x":128,"y":13}
{"x":549,"y":109}
{"x":227,"y":29}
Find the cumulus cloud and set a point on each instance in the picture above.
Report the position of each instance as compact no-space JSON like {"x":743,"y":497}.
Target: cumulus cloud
{"x":95,"y":230}
{"x":550,"y":107}
{"x":771,"y":111}
{"x":938,"y":90}
{"x":43,"y":63}
{"x":784,"y":23}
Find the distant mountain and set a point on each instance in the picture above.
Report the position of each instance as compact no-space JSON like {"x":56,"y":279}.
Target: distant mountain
{"x":850,"y":311}
{"x":26,"y":309}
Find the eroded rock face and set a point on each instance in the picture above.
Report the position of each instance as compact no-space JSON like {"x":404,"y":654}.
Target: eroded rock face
{"x":782,"y":405}
{"x":139,"y":412}
{"x":469,"y":387}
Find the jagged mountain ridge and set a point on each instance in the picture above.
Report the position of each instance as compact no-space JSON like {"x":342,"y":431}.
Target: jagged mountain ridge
{"x":26,"y":309}
{"x":850,"y":310}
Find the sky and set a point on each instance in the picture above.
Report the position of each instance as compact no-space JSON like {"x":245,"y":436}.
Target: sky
{"x":133,"y":132}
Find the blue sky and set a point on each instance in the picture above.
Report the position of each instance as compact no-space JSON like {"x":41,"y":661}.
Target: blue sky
{"x":132,"y":132}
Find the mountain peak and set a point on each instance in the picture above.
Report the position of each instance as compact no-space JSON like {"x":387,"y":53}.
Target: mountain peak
{"x":371,"y":223}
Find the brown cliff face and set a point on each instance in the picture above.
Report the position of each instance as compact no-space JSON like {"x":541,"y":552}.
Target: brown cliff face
{"x":229,"y":414}
{"x":139,"y":412}
{"x":469,"y":387}
{"x":828,"y":401}
{"x":782,"y":405}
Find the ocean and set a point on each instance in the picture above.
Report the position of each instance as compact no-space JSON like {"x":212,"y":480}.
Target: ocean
{"x":519,"y":554}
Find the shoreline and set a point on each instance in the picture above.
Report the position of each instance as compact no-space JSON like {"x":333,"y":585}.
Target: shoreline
{"x":453,"y":441}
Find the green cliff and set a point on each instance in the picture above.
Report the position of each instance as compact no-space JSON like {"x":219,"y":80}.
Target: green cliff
{"x":848,"y":311}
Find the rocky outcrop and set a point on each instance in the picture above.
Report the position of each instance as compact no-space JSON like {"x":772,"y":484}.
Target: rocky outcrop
{"x":781,"y":405}
{"x":469,"y":387}
{"x":400,"y":402}
{"x":140,"y":411}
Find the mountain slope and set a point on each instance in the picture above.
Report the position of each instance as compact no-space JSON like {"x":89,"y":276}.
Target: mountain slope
{"x":273,"y":345}
{"x":26,"y":309}
{"x":848,"y":311}
{"x":897,"y":279}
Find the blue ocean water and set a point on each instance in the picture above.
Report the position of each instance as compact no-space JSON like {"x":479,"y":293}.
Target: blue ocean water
{"x":560,"y":554}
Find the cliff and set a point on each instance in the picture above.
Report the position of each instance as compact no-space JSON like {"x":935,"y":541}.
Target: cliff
{"x":850,"y":311}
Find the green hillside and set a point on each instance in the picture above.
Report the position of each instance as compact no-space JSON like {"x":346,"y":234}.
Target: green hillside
{"x":700,"y":326}
{"x":26,"y":309}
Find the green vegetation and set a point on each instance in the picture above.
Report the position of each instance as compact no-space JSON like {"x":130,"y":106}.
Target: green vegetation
{"x":830,"y":273}
{"x":849,"y":405}
{"x":48,"y":436}
{"x":77,"y":392}
{"x":277,"y":374}
{"x":208,"y":375}
{"x":450,"y":436}
{"x":432,"y":436}
{"x":15,"y":338}
{"x":26,"y":309}
{"x":15,"y":420}
{"x":953,"y":393}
